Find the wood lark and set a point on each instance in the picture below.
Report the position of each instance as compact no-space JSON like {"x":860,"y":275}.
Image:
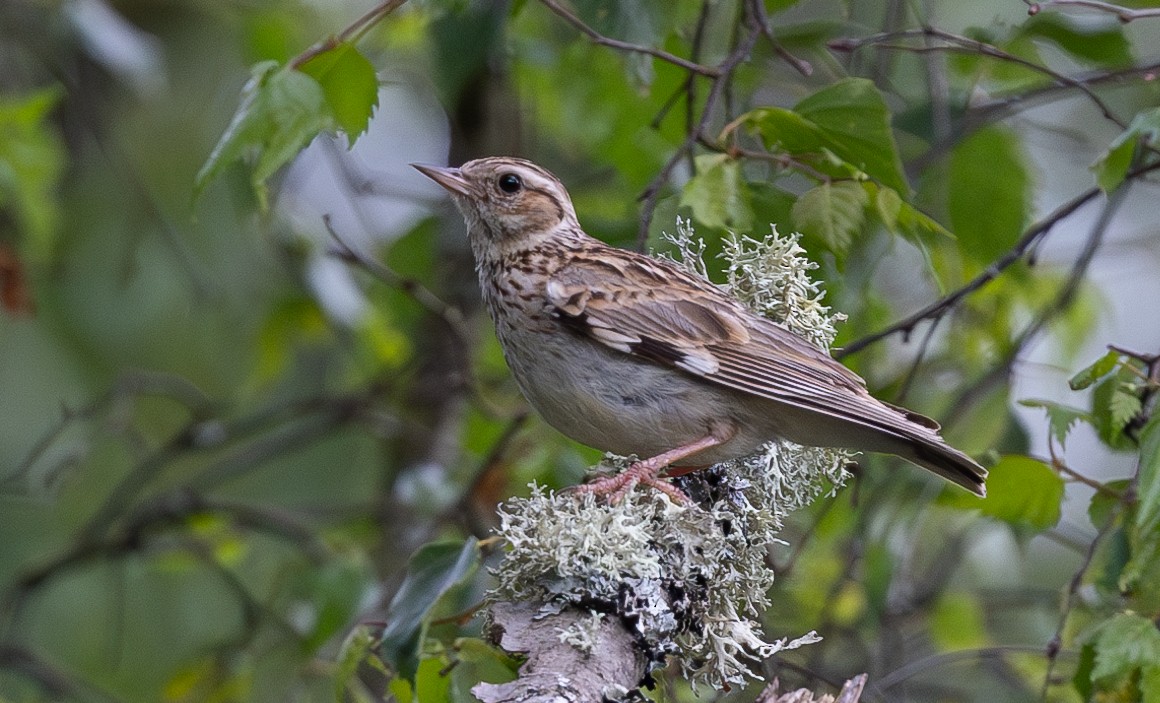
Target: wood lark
{"x":634,"y":355}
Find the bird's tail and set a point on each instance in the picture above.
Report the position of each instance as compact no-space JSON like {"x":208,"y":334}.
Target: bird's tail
{"x":916,"y":439}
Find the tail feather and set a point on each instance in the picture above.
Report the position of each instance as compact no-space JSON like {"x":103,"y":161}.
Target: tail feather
{"x":889,"y":429}
{"x":944,"y":460}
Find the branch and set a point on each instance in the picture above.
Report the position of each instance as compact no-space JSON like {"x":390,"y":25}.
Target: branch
{"x":352,"y":32}
{"x":557,"y":670}
{"x":408,"y":286}
{"x":960,"y":44}
{"x":1030,"y":238}
{"x":1055,"y":645}
{"x":598,"y":38}
{"x":725,"y":73}
{"x":851,"y":693}
{"x":800,"y":65}
{"x":1123,"y":14}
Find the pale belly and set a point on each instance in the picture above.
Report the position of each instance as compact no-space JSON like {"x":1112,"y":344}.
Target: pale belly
{"x":613,"y":402}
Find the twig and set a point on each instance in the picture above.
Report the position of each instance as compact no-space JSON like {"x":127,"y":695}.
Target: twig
{"x":800,"y":65}
{"x":352,"y":32}
{"x":1060,"y":303}
{"x":782,"y":160}
{"x":408,"y":286}
{"x":994,"y":110}
{"x":1055,"y":645}
{"x":725,"y":69}
{"x":1123,"y":14}
{"x":170,"y":509}
{"x":943,"y":659}
{"x":1030,"y":238}
{"x":463,"y":507}
{"x":1059,"y":465}
{"x":1142,"y":356}
{"x":690,"y":84}
{"x":54,"y":683}
{"x":960,"y":44}
{"x":598,"y":38}
{"x":912,"y":373}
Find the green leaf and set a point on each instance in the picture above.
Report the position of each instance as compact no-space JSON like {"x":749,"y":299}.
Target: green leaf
{"x":1112,"y":167}
{"x":848,"y":121}
{"x":350,"y":85}
{"x":1125,"y":643}
{"x":832,"y":212}
{"x":336,"y":590}
{"x":917,"y":225}
{"x":358,"y":647}
{"x":1109,"y":407}
{"x":989,"y":191}
{"x":1100,"y":368}
{"x":432,"y":684}
{"x":1020,"y":490}
{"x":855,"y":120}
{"x":1148,"y":479}
{"x":475,"y":661}
{"x":279,"y":113}
{"x":1123,"y":406}
{"x":1090,"y":39}
{"x":1103,"y":502}
{"x":433,"y":571}
{"x":32,"y":160}
{"x":888,"y":203}
{"x":1150,"y":683}
{"x":1060,"y":418}
{"x":718,"y":195}
{"x":1082,"y":678}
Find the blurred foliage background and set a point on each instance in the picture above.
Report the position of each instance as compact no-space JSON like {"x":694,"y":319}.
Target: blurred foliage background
{"x":242,"y":385}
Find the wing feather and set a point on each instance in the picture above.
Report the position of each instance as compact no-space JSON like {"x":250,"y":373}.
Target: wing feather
{"x":690,"y":324}
{"x":654,"y":311}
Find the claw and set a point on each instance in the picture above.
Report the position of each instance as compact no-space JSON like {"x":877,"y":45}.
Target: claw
{"x":615,"y":488}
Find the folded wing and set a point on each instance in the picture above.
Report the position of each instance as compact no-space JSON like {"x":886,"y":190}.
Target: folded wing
{"x":689,"y":324}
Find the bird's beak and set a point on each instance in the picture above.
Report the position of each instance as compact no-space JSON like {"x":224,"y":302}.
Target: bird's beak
{"x":450,"y":178}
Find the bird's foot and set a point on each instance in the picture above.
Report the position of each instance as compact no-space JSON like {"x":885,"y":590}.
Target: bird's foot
{"x":642,"y":473}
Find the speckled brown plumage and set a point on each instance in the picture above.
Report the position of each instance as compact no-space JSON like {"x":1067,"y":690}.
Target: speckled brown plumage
{"x":634,"y":355}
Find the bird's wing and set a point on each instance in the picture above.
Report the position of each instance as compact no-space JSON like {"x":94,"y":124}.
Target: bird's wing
{"x":654,"y":311}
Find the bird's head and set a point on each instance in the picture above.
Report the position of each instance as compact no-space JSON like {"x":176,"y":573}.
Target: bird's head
{"x":509,"y":203}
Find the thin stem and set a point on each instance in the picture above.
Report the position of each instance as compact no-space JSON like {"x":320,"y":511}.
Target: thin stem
{"x":651,"y":194}
{"x":960,"y":44}
{"x":1029,"y":239}
{"x":352,"y":33}
{"x":1123,"y":14}
{"x":598,"y":38}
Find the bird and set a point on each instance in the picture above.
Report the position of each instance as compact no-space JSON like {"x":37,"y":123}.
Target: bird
{"x":633,"y":355}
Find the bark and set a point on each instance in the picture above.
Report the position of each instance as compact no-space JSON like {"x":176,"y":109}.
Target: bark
{"x":850,"y":693}
{"x":556,"y":670}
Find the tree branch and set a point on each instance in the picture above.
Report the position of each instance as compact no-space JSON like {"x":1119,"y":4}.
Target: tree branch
{"x":960,"y":44}
{"x":1030,"y":238}
{"x":598,"y":38}
{"x":557,"y":670}
{"x":1123,"y":14}
{"x":651,"y":193}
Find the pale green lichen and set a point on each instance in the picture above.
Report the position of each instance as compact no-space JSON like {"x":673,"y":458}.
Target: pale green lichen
{"x":583,"y":634}
{"x":772,"y":277}
{"x":687,"y":581}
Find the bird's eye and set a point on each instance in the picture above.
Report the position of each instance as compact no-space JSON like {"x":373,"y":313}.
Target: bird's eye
{"x":510,"y":183}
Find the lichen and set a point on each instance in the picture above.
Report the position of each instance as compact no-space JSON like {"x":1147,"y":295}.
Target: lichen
{"x":583,"y":634}
{"x":689,"y":581}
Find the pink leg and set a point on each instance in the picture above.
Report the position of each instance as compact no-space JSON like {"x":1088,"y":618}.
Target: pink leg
{"x":646,"y":472}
